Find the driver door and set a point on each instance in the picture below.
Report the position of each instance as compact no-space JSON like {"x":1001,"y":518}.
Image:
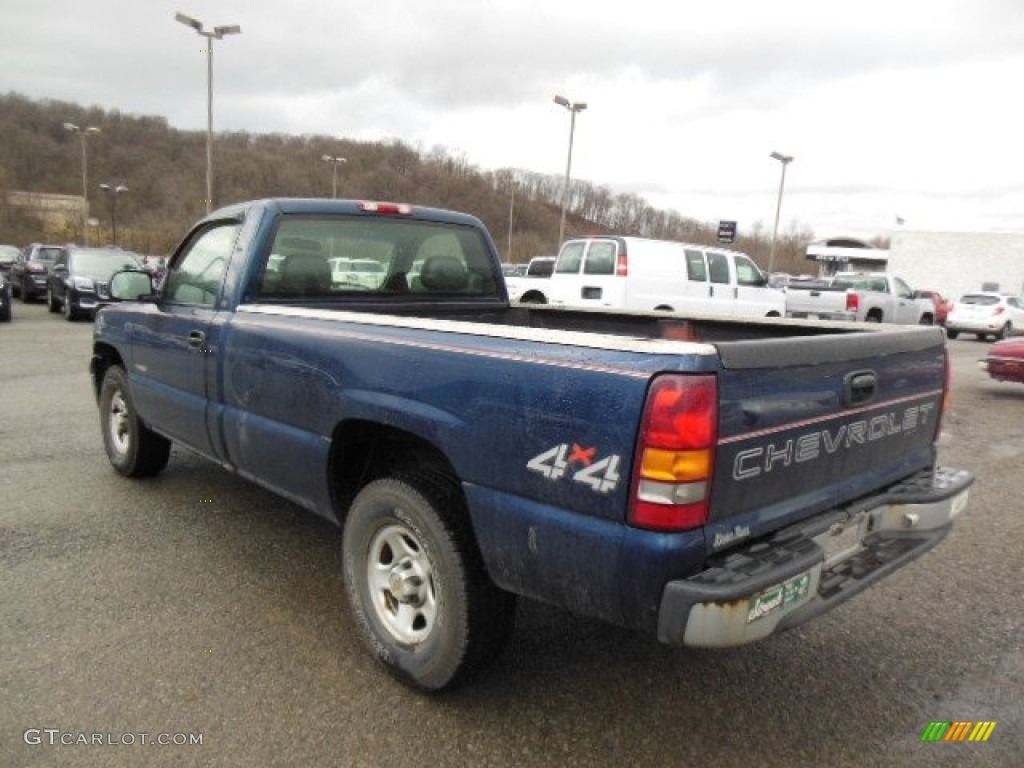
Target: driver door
{"x":174,"y":356}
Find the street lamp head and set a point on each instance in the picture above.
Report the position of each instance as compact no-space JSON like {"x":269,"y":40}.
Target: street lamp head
{"x":578,"y":106}
{"x":188,"y":21}
{"x":784,"y":159}
{"x":232,"y":29}
{"x":333,"y":159}
{"x":71,"y":127}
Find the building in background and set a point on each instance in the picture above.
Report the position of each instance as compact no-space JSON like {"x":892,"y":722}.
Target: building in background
{"x":846,"y":254}
{"x":955,"y":263}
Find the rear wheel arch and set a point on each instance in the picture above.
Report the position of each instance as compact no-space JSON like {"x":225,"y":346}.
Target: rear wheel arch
{"x":363,"y":451}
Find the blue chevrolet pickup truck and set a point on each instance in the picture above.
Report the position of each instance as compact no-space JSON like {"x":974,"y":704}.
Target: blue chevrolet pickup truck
{"x":709,"y":481}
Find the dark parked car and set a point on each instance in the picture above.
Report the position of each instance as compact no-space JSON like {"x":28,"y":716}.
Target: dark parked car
{"x":1005,"y":361}
{"x":5,"y":300}
{"x":79,"y":281}
{"x":8,"y":255}
{"x":29,"y":272}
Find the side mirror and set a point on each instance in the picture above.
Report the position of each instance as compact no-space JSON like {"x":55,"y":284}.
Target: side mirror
{"x":131,"y":285}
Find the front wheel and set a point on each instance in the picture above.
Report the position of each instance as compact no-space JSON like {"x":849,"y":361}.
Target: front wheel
{"x":70,"y":313}
{"x":416,"y":584}
{"x":134,"y":450}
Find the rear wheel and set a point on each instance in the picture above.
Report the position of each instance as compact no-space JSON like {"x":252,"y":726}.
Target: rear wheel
{"x":952,"y":334}
{"x":416,"y":583}
{"x":134,"y":450}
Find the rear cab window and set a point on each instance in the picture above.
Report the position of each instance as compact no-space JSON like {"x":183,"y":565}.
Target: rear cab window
{"x":325,"y":257}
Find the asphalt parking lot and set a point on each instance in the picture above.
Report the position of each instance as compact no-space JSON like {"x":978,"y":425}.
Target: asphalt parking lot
{"x":196,"y":604}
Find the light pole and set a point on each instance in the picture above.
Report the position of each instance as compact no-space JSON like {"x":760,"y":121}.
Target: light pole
{"x":511,"y":208}
{"x":218,"y":33}
{"x":113,"y":192}
{"x":785,"y":160}
{"x":83,"y":133}
{"x":573,"y":107}
{"x":335,"y":161}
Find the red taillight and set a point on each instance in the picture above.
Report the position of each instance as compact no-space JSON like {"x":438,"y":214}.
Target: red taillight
{"x":402,"y":209}
{"x":999,"y":310}
{"x":622,"y":266}
{"x":852,"y":301}
{"x":675,"y":455}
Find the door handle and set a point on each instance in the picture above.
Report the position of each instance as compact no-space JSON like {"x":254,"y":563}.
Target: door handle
{"x":859,"y":388}
{"x":196,"y":339}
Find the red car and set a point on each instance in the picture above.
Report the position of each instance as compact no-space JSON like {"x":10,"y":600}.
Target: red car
{"x":1005,"y":361}
{"x":942,"y":304}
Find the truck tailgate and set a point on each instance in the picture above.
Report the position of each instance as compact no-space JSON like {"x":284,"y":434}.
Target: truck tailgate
{"x":810,"y":423}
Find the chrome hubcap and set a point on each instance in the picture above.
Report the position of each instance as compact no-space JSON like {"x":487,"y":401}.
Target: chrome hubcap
{"x":119,"y":423}
{"x":401,"y":584}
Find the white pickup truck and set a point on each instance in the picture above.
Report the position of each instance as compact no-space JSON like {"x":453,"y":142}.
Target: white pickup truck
{"x":532,"y":287}
{"x":873,"y":297}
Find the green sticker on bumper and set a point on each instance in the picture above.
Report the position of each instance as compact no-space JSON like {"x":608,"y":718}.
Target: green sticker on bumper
{"x":780,"y":596}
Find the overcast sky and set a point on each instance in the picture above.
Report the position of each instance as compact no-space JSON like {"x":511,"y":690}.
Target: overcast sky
{"x":891,"y":108}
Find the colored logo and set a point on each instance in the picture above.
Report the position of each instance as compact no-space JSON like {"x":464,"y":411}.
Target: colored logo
{"x":958,"y":730}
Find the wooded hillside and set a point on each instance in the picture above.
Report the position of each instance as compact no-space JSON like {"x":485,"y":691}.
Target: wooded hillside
{"x":164,"y":170}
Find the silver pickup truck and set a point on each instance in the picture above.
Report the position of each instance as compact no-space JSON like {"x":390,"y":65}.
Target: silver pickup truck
{"x":873,"y":297}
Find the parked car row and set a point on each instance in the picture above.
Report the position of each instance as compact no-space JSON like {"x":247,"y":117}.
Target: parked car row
{"x":72,"y":279}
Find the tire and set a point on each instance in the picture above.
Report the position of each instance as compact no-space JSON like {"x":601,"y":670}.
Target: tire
{"x":70,"y":313}
{"x":952,"y":334}
{"x":981,"y":336}
{"x":416,"y":584}
{"x":26,"y":295}
{"x":5,"y":310}
{"x":133,"y":449}
{"x":927,"y":320}
{"x":873,"y":317}
{"x":534,"y":297}
{"x":51,"y":301}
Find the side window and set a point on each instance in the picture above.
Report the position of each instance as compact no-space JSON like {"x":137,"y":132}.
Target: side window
{"x":196,"y":277}
{"x":569,"y":259}
{"x":696,"y":269}
{"x":600,"y":259}
{"x":718,"y":268}
{"x":902,"y":289}
{"x":747,"y":272}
